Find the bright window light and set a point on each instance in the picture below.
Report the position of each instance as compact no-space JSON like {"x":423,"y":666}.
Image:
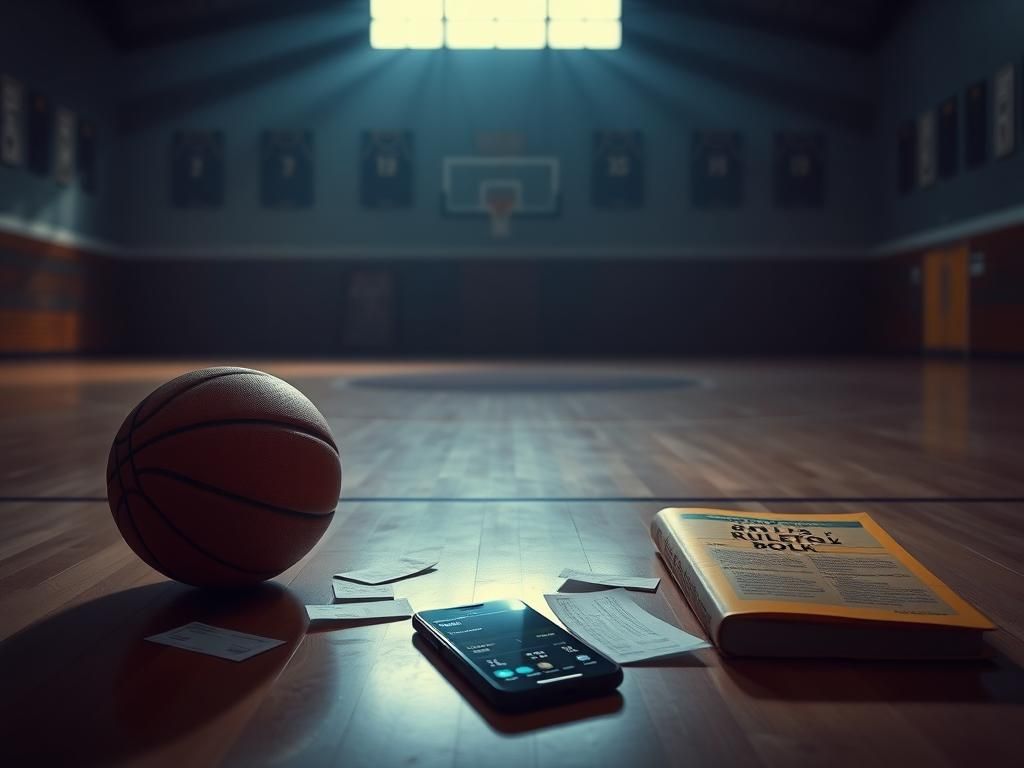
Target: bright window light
{"x":595,"y":35}
{"x":585,"y":9}
{"x":458,"y":10}
{"x":527,"y":9}
{"x":503,"y":24}
{"x":471,"y":33}
{"x":407,"y":9}
{"x":567,"y":34}
{"x":388,"y":34}
{"x":406,"y":33}
{"x":463,"y":10}
{"x":521,"y":34}
{"x":426,"y":34}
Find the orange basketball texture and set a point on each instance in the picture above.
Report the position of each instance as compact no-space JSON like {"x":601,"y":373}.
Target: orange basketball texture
{"x":223,"y":477}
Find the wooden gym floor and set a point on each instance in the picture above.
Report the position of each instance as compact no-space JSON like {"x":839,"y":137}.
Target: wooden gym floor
{"x":515,"y":487}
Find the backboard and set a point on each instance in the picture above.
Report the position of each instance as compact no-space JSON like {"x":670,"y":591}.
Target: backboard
{"x":500,"y":187}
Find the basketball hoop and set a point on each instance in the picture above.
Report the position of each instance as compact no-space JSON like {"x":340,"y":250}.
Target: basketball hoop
{"x":500,"y":198}
{"x":500,"y":188}
{"x":500,"y":208}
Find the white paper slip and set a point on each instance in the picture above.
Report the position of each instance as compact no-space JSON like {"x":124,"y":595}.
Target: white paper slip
{"x":346,"y":590}
{"x":386,"y":609}
{"x":619,"y":628}
{"x":390,"y":570}
{"x":215,"y":641}
{"x":643,"y":583}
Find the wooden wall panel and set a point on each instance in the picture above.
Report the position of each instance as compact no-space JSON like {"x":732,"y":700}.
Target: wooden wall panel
{"x":40,"y":331}
{"x":514,"y":307}
{"x":996,"y":298}
{"x":997,"y":295}
{"x":60,"y":300}
{"x":54,"y":299}
{"x":946,"y":300}
{"x":896,"y":299}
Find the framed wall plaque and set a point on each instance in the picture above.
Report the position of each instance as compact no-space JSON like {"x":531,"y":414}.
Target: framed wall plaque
{"x":617,"y":169}
{"x":197,"y":169}
{"x":716,"y":170}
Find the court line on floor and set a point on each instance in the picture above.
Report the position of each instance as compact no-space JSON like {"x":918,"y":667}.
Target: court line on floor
{"x":605,"y":499}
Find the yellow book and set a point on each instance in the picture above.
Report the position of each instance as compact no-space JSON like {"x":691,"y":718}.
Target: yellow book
{"x":836,"y":586}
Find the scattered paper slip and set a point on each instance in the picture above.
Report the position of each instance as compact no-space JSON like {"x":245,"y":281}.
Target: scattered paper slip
{"x":387,"y":609}
{"x":384,"y":571}
{"x":643,"y":583}
{"x":619,"y":628}
{"x":345,"y":590}
{"x":215,"y":641}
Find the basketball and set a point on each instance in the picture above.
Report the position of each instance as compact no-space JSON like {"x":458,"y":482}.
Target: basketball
{"x":223,"y":477}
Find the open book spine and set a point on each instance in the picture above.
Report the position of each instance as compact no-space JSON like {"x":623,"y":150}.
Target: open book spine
{"x":694,"y":588}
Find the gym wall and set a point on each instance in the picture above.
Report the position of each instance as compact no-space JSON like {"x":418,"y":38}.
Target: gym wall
{"x":673,"y":76}
{"x":54,"y":282}
{"x":667,"y":278}
{"x":935,"y":52}
{"x":664,"y":279}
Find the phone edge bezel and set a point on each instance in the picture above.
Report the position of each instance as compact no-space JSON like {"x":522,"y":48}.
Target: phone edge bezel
{"x":503,"y":694}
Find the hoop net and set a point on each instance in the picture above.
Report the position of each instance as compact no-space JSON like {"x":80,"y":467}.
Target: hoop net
{"x":500,"y":197}
{"x":500,"y":207}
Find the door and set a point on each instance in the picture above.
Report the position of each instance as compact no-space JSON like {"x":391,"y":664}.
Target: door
{"x":946,"y":300}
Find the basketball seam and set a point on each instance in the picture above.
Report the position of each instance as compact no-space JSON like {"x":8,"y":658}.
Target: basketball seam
{"x":218,"y":423}
{"x":124,"y":493}
{"x":195,"y":546}
{"x":176,"y":395}
{"x":230,"y":494}
{"x":168,"y":523}
{"x":138,"y":534}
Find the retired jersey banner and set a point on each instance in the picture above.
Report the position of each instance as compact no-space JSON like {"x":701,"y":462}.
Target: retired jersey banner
{"x":799,"y":170}
{"x":949,"y":157}
{"x":12,"y":122}
{"x":926,"y":149}
{"x":386,"y":169}
{"x":1004,"y":112}
{"x":907,"y":157}
{"x":86,"y":156}
{"x":976,"y":124}
{"x":65,"y":146}
{"x":197,"y":169}
{"x":716,"y":172}
{"x":40,"y":134}
{"x":617,"y":179}
{"x":287,"y":169}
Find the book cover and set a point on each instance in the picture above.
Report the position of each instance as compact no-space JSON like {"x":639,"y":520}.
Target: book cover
{"x":817,"y":568}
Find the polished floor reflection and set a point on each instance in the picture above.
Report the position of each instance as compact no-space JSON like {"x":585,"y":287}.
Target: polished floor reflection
{"x":513,"y":486}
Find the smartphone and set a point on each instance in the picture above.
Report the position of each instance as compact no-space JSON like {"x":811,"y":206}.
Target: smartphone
{"x":515,"y":657}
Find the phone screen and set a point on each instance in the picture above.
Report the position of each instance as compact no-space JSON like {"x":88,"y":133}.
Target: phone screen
{"x":516,"y":647}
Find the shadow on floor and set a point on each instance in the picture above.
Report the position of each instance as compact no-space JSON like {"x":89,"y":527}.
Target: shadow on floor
{"x":83,"y":687}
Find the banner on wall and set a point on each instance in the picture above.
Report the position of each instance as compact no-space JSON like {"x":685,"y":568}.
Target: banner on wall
{"x":287,"y":169}
{"x":12,"y":122}
{"x":40,"y":134}
{"x":926,"y":149}
{"x":197,"y":169}
{"x":716,"y":173}
{"x":907,"y":157}
{"x":1004,"y":112}
{"x":948,"y":133}
{"x":976,"y":124}
{"x":617,"y":176}
{"x":386,"y":178}
{"x":65,"y":145}
{"x":799,"y":170}
{"x":86,"y":156}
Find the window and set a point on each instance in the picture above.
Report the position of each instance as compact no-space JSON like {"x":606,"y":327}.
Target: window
{"x":503,"y":24}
